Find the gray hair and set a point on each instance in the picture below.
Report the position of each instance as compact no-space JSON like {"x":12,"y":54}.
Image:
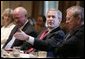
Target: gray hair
{"x":7,"y":11}
{"x":58,"y":13}
{"x":77,"y":11}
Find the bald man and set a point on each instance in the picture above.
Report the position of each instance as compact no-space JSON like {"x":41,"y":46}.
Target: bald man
{"x":46,"y":41}
{"x":20,"y":16}
{"x":22,"y":24}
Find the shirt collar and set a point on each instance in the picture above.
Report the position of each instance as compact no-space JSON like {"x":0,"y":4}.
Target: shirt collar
{"x":24,"y":25}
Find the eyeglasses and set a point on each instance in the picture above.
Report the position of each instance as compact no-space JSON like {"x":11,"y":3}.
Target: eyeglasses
{"x":68,"y":18}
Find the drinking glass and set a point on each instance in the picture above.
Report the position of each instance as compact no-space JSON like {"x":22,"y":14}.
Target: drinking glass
{"x":16,"y":51}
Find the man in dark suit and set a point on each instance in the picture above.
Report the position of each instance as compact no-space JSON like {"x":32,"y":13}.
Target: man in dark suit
{"x":46,"y":41}
{"x":22,"y":24}
{"x":73,"y":45}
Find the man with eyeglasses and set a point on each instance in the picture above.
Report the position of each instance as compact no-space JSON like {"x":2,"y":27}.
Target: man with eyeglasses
{"x":73,"y":45}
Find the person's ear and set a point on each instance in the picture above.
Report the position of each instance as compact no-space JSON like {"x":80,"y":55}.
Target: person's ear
{"x":78,"y":19}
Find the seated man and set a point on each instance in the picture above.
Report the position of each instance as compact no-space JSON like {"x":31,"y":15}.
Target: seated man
{"x":73,"y":45}
{"x":50,"y":38}
{"x":22,"y":24}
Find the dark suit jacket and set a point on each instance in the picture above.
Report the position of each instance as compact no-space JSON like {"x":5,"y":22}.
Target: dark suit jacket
{"x":28,"y":29}
{"x":73,"y":46}
{"x":50,"y":41}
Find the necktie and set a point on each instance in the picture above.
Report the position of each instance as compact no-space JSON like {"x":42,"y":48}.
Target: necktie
{"x":43,"y":35}
{"x":40,"y":38}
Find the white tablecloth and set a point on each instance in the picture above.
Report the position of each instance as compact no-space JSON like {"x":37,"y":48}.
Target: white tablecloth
{"x":40,"y":54}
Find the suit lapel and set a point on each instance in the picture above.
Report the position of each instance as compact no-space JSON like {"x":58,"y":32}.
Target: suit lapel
{"x":27,"y":28}
{"x":70,"y":34}
{"x":52,"y":32}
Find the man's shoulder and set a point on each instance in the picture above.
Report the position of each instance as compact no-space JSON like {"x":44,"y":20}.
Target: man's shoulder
{"x":57,"y":31}
{"x":79,"y":30}
{"x":60,"y":31}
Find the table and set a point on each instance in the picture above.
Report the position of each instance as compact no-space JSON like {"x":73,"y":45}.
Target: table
{"x":21,"y":54}
{"x":10,"y":54}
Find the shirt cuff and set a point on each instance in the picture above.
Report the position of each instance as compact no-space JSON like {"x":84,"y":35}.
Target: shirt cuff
{"x":30,"y":40}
